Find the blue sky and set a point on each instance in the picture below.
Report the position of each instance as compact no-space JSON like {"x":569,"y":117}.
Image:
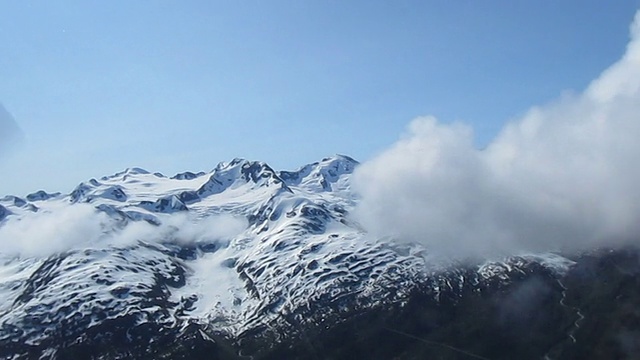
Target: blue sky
{"x":181,"y":85}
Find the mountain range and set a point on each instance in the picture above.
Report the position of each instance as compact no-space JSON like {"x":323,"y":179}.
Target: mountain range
{"x":247,"y":262}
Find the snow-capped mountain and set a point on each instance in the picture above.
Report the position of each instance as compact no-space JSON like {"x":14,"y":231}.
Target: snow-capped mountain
{"x":230,"y":263}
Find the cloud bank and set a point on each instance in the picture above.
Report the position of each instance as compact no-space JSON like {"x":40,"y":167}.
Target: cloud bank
{"x":565,"y":177}
{"x":10,"y":132}
{"x":81,"y":226}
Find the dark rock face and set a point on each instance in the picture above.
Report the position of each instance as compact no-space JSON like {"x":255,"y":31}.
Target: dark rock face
{"x":167,"y":204}
{"x":189,"y":197}
{"x":3,"y":212}
{"x":41,"y":195}
{"x":605,"y":288}
{"x":589,"y":313}
{"x":19,"y":202}
{"x":188,"y":175}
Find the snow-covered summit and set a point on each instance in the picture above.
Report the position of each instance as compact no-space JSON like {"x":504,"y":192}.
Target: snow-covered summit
{"x":323,"y":175}
{"x":123,"y":175}
{"x":240,"y":172}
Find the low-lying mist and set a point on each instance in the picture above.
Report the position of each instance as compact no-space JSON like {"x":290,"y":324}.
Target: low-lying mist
{"x":82,"y":226}
{"x":564,"y":177}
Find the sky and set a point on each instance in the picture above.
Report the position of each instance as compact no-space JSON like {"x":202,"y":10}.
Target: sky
{"x":94,"y":87}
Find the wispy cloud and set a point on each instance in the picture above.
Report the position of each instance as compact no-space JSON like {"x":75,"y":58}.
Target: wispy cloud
{"x":44,"y":233}
{"x":563,"y":177}
{"x":79,"y":226}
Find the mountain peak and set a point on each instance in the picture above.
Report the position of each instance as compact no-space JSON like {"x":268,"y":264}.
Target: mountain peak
{"x":341,"y":158}
{"x":226,"y":175}
{"x":323,"y":175}
{"x":126,"y":173}
{"x":187,"y":175}
{"x":41,"y":195}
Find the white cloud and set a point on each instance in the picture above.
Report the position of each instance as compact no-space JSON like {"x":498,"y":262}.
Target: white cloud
{"x":45,"y":233}
{"x":79,"y":226}
{"x":182,"y":229}
{"x":564,"y":177}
